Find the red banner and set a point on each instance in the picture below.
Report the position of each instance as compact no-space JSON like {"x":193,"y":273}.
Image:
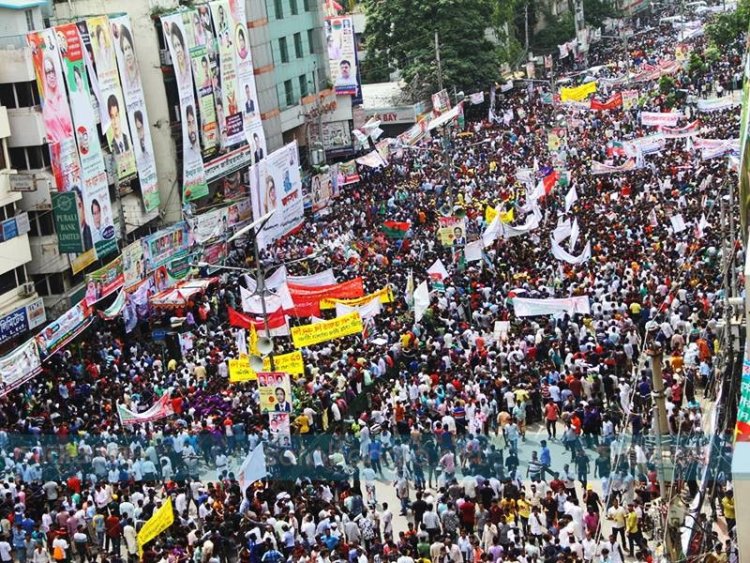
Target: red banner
{"x":344,"y":290}
{"x":276,"y":319}
{"x":613,"y":102}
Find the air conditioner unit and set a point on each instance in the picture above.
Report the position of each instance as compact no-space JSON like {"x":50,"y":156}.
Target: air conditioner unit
{"x":27,"y":289}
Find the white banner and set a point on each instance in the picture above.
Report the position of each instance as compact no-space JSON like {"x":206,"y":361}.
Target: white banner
{"x":160,"y":409}
{"x":525,"y":307}
{"x":657,"y":119}
{"x":473,"y":251}
{"x":532,"y":222}
{"x":19,"y":366}
{"x":717,"y":104}
{"x":275,"y":185}
{"x":561,"y":254}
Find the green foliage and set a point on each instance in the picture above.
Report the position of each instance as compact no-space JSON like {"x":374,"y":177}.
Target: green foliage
{"x":559,"y":29}
{"x":596,"y":11}
{"x":666,"y":84}
{"x":712,"y":54}
{"x":696,"y":64}
{"x":727,"y":28}
{"x":400,"y":35}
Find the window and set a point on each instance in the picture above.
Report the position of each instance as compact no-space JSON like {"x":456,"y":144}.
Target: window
{"x":40,"y":284}
{"x":311,"y":41}
{"x":41,"y":223}
{"x":293,"y":4}
{"x":18,"y":158}
{"x":289,"y":92}
{"x":306,"y":5}
{"x":298,"y":45}
{"x":12,"y":279}
{"x":303,"y":85}
{"x":278,"y":8}
{"x":30,"y":20}
{"x":284,"y":50}
{"x":56,"y":284}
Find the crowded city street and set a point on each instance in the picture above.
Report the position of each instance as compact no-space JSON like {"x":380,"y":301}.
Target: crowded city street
{"x":493,"y":337}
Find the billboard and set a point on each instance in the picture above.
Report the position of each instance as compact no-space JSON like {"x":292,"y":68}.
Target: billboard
{"x":203,"y":60}
{"x":276,"y":186}
{"x":22,"y":319}
{"x":342,"y":54}
{"x":321,"y":191}
{"x":194,"y":184}
{"x":58,"y":122}
{"x":97,"y":206}
{"x":135,"y":108}
{"x":228,"y":109}
{"x":165,"y":246}
{"x":111,"y":105}
{"x":104,"y":281}
{"x":252,"y":124}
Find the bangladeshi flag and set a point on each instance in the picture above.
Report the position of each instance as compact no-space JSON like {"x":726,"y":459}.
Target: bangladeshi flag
{"x":395,"y":229}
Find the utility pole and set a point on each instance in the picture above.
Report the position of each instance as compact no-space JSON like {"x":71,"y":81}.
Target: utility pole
{"x":526,"y":25}
{"x":439,"y":65}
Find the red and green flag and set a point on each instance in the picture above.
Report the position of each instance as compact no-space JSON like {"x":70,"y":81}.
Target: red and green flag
{"x":395,"y":229}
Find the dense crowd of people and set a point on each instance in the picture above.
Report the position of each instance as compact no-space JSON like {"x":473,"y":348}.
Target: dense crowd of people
{"x":439,"y":409}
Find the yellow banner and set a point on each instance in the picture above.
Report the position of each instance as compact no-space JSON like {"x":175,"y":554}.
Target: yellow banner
{"x":507,"y":216}
{"x":292,"y":363}
{"x":385,"y":295}
{"x":577,"y":93}
{"x":160,"y":521}
{"x":240,"y":370}
{"x":307,"y":335}
{"x":288,"y":363}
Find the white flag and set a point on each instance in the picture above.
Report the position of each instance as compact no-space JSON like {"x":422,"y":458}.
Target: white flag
{"x":253,"y":468}
{"x":574,"y":232}
{"x":678,"y":223}
{"x":492,"y":231}
{"x":438,"y":270}
{"x":570,"y":198}
{"x":473,"y":251}
{"x":561,"y":254}
{"x":421,"y":300}
{"x":702,"y":224}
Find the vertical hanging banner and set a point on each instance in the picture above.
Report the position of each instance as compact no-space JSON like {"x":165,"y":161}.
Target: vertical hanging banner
{"x":135,"y":107}
{"x":97,"y":206}
{"x":342,"y":54}
{"x":65,"y":212}
{"x":116,"y":130}
{"x":275,"y":185}
{"x":198,"y":39}
{"x":252,"y":123}
{"x":194,"y":184}
{"x":55,"y":110}
{"x":232,"y":125}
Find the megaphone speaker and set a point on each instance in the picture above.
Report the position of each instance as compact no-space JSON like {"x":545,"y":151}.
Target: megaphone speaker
{"x":265,"y":346}
{"x":256,"y":363}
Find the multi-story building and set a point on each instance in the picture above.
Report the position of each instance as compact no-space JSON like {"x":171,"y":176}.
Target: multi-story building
{"x":295,"y":100}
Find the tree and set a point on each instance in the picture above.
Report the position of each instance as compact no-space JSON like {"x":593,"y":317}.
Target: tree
{"x":401,"y":34}
{"x":727,"y":28}
{"x":596,"y":11}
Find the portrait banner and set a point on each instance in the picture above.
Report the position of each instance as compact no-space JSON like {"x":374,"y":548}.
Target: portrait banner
{"x":132,"y":264}
{"x":194,"y":184}
{"x":97,"y":205}
{"x":321,"y":191}
{"x":276,"y":186}
{"x":252,"y":124}
{"x":275,"y":390}
{"x":58,"y":123}
{"x":116,"y":130}
{"x":104,"y":281}
{"x":62,"y":329}
{"x":342,"y":54}
{"x":451,"y":230}
{"x":135,"y":107}
{"x":229,"y":114}
{"x":280,"y":427}
{"x":19,"y":366}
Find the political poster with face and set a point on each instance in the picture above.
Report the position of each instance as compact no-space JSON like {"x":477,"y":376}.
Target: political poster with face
{"x":97,"y":206}
{"x":135,"y":107}
{"x":199,"y":42}
{"x":276,"y":187}
{"x":119,"y":139}
{"x":279,"y":424}
{"x":233,"y":122}
{"x":275,"y":391}
{"x":252,"y":124}
{"x":58,"y":123}
{"x":342,"y":54}
{"x":321,"y":191}
{"x":194,"y":184}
